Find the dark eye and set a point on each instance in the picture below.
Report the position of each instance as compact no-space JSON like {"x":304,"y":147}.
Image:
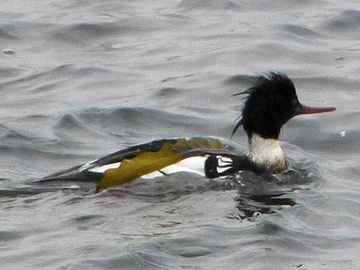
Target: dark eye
{"x":294,"y":102}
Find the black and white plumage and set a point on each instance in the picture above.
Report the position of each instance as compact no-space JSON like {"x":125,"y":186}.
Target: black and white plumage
{"x":269,"y":104}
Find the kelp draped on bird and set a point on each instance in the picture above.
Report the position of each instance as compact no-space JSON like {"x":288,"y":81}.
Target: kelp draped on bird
{"x":269,"y":104}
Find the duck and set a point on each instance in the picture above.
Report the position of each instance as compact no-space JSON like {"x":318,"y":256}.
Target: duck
{"x":269,"y":103}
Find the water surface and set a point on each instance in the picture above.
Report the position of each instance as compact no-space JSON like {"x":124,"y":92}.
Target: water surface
{"x":82,"y":79}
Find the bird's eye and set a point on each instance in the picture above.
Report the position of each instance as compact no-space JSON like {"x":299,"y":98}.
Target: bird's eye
{"x":294,"y":102}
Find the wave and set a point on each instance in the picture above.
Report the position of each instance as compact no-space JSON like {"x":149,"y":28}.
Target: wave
{"x":345,"y":23}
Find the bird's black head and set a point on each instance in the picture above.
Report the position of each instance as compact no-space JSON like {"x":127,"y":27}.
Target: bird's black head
{"x":270,"y":103}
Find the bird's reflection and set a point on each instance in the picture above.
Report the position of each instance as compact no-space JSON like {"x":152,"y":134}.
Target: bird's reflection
{"x":253,"y":205}
{"x":256,"y":196}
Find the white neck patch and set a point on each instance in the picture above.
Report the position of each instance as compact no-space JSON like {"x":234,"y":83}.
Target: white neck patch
{"x":266,"y":152}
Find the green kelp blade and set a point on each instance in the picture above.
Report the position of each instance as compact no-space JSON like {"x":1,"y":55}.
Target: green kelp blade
{"x":171,"y":152}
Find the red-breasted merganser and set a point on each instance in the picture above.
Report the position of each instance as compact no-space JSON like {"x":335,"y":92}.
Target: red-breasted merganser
{"x":270,"y":103}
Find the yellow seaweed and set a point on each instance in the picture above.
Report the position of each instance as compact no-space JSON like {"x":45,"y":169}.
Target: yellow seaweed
{"x":148,"y":162}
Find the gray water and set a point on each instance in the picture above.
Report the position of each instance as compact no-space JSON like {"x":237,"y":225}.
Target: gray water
{"x":82,"y":79}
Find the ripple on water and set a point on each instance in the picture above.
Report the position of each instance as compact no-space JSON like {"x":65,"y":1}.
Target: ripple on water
{"x":71,"y":126}
{"x":300,"y":31}
{"x":128,"y":260}
{"x":86,"y":222}
{"x":203,"y":4}
{"x":169,"y":92}
{"x":240,"y":79}
{"x":123,"y":120}
{"x":6,"y":35}
{"x":6,"y":236}
{"x":344,"y":23}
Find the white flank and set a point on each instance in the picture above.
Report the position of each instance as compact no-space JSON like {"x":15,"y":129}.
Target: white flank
{"x":265,"y":151}
{"x":102,"y":169}
{"x":192,"y":165}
